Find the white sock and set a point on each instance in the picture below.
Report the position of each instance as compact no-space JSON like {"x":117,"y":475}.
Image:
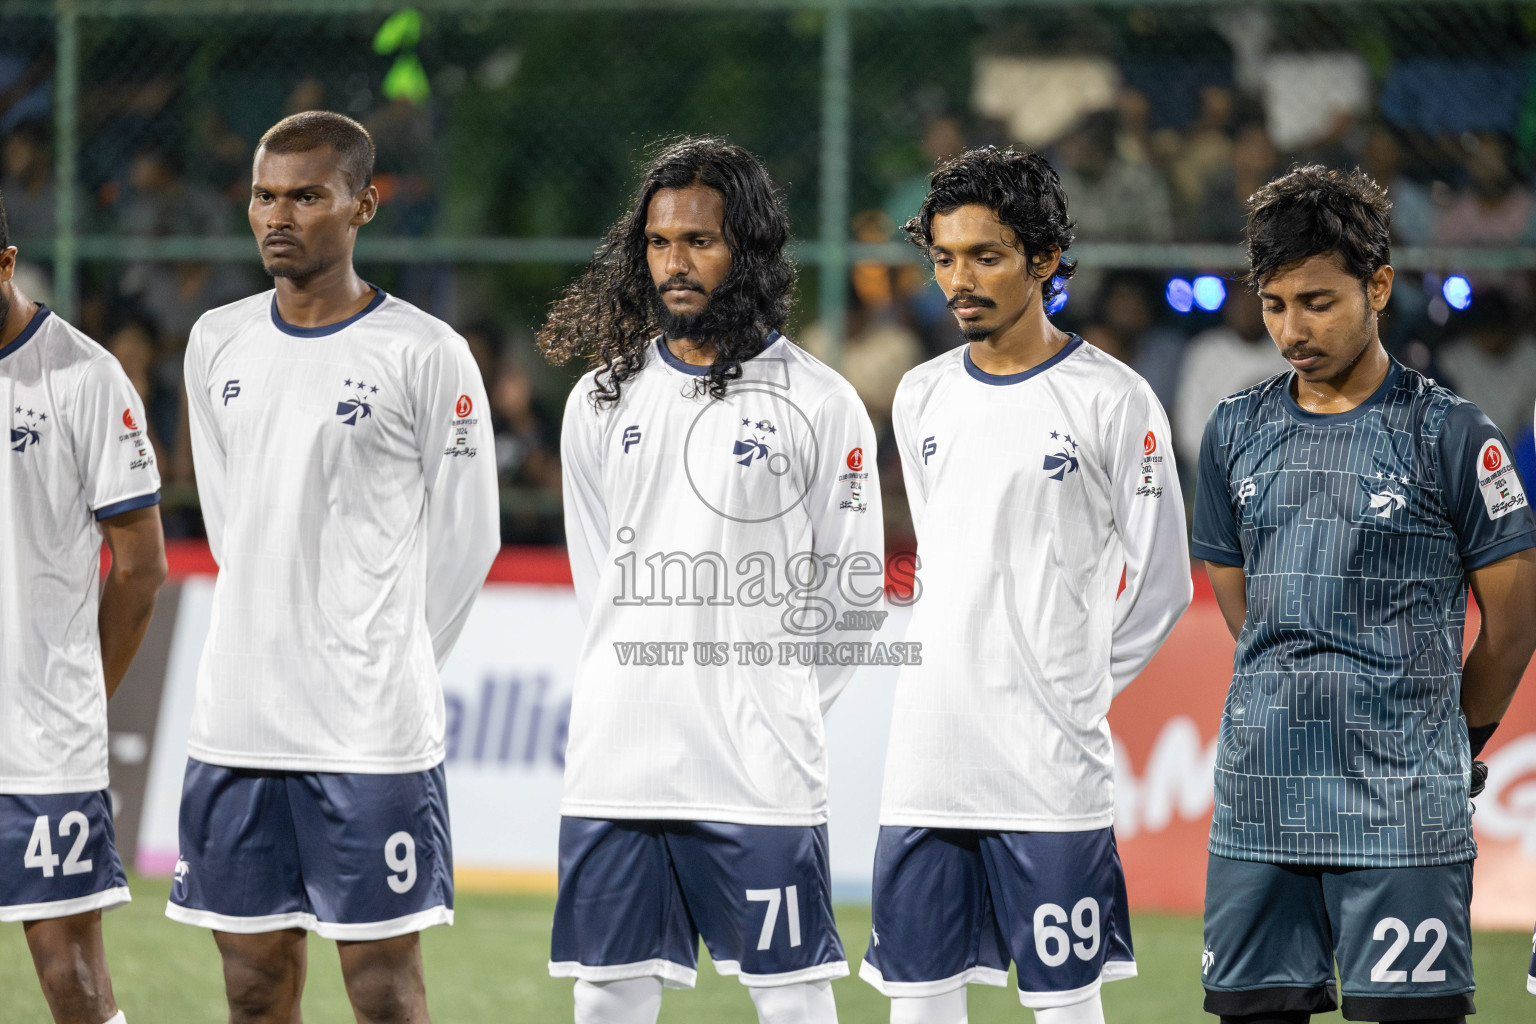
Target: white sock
{"x":946,"y":1008}
{"x":631,"y":1001}
{"x":117,"y":1018}
{"x":809,"y":1002}
{"x":1089,"y":1011}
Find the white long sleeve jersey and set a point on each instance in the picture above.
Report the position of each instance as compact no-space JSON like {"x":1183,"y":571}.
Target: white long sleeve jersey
{"x":349,"y":491}
{"x":1030,"y":493}
{"x":692,"y":525}
{"x":75,"y":453}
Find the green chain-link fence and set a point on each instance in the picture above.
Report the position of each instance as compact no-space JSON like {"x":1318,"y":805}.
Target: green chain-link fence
{"x":509,"y":135}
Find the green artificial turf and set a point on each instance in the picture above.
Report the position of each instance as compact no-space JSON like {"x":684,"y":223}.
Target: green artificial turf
{"x":490,"y":967}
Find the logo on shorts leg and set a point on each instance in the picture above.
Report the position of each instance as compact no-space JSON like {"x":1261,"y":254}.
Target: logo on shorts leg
{"x":179,"y":886}
{"x":1207,"y":961}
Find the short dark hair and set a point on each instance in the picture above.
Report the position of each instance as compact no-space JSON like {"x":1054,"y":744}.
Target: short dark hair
{"x":301,"y":133}
{"x":1023,"y":189}
{"x":1315,"y":211}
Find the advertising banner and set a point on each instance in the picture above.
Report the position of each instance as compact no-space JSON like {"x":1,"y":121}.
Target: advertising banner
{"x":507,"y":690}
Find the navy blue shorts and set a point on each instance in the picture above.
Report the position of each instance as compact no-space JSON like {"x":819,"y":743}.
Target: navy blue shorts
{"x":354,"y":857}
{"x":635,"y":897}
{"x":954,"y":906}
{"x":57,"y":856}
{"x":1402,"y":938}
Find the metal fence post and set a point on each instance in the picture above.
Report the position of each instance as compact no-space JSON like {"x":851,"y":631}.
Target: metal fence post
{"x":66,"y":75}
{"x":836,"y":95}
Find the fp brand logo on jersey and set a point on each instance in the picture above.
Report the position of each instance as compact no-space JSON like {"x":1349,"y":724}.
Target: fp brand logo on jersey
{"x":631,"y":437}
{"x":356,"y":407}
{"x":856,"y":459}
{"x":1246,"y":489}
{"x":930,"y":446}
{"x":231,"y":390}
{"x":1064,"y":460}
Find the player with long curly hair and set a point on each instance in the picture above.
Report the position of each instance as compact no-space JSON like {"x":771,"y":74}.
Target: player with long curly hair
{"x":611,"y":313}
{"x":701,"y":445}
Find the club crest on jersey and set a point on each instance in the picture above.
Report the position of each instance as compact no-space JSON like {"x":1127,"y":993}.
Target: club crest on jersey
{"x":27,"y":435}
{"x":756,"y":446}
{"x":1384,"y":503}
{"x":356,"y":406}
{"x":1064,"y":459}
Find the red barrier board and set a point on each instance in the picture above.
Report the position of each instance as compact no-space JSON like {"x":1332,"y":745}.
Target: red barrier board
{"x":1165,"y":727}
{"x":1166,"y":722}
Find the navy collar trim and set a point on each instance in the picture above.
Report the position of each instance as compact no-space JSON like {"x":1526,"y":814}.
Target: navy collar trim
{"x":324,"y":329}
{"x":1394,"y":371}
{"x":1000,"y":379}
{"x":27,"y":331}
{"x":699,"y":371}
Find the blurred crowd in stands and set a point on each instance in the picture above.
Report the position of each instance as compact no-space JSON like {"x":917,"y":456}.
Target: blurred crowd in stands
{"x":1127,"y":182}
{"x":1134,"y":172}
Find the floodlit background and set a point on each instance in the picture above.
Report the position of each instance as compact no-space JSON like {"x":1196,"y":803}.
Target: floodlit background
{"x":509,"y":136}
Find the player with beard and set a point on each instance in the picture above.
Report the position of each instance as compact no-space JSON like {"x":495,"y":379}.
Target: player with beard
{"x":76,"y":468}
{"x":1042,"y":485}
{"x":343,"y":452}
{"x":722,"y":513}
{"x":1344,"y":508}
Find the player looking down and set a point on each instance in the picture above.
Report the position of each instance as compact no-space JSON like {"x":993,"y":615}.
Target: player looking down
{"x":1038,"y":469}
{"x":721,"y":503}
{"x":1344,"y":506}
{"x":77,"y":467}
{"x":343,"y":457}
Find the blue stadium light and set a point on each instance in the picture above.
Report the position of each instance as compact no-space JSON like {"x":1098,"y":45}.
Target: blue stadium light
{"x":1181,"y":296}
{"x":1210,"y":293}
{"x":1057,"y":304}
{"x":1457,"y":291}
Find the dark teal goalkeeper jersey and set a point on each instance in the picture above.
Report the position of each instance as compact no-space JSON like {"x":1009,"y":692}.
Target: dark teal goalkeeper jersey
{"x":1342,"y":741}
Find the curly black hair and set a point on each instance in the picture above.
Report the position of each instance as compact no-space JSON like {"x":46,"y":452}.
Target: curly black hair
{"x":1025,"y":192}
{"x":1315,"y":210}
{"x":612,"y":311}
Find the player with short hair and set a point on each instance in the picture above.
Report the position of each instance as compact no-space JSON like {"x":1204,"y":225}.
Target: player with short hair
{"x":343,"y":452}
{"x":1038,"y":469}
{"x":77,"y":467}
{"x":723,"y":518}
{"x":1344,"y":506}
